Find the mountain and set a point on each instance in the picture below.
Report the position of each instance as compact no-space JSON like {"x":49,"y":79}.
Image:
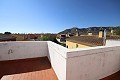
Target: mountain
{"x":94,"y":30}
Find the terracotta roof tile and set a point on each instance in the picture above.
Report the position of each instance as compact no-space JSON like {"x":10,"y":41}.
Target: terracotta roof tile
{"x":113,"y":38}
{"x":87,"y":40}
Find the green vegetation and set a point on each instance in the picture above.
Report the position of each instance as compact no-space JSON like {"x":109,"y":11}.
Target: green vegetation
{"x":117,"y":32}
{"x":44,"y":38}
{"x":7,"y":33}
{"x":48,"y":37}
{"x":62,"y":44}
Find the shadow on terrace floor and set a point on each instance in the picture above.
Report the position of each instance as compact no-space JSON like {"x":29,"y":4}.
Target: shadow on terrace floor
{"x":23,"y":66}
{"x":115,"y":76}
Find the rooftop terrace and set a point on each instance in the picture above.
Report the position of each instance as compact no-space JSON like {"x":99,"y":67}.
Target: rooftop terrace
{"x":50,"y":61}
{"x":27,"y":69}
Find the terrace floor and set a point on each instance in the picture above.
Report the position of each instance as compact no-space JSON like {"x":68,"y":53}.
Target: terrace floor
{"x":115,"y":76}
{"x":33,"y":69}
{"x":27,"y":69}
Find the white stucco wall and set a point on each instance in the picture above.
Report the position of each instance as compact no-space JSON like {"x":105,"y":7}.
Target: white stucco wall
{"x":92,"y":63}
{"x":22,"y":50}
{"x":4,"y":47}
{"x":31,"y":49}
{"x":57,"y":57}
{"x":112,"y":42}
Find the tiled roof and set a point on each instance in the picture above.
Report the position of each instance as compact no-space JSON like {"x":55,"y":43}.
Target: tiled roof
{"x":87,"y":40}
{"x":113,"y":38}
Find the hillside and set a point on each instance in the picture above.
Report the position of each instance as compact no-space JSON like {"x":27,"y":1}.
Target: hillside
{"x":94,"y":30}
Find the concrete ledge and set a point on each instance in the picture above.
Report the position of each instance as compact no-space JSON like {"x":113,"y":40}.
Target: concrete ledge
{"x":89,"y":51}
{"x":22,"y":50}
{"x":92,"y":63}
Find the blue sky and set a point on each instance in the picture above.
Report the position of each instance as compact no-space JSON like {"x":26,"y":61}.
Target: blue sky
{"x":52,"y":16}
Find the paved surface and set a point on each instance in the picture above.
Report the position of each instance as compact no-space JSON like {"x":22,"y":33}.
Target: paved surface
{"x":27,"y":69}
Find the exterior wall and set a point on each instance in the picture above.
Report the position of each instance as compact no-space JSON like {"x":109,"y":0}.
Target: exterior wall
{"x":90,"y":34}
{"x":57,"y":57}
{"x":100,"y":34}
{"x":112,"y":42}
{"x":92,"y":63}
{"x":4,"y":47}
{"x":72,"y":45}
{"x":82,"y":46}
{"x":22,"y":50}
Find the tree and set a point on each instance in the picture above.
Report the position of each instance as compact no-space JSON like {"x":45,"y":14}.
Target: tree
{"x":44,"y":38}
{"x":7,"y":33}
{"x":117,"y":32}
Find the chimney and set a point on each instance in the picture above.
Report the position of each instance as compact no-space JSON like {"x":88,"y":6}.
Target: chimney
{"x":103,"y":35}
{"x":67,"y":35}
{"x":90,"y":34}
{"x":112,"y":32}
{"x":77,"y":33}
{"x":104,"y":38}
{"x":100,"y":34}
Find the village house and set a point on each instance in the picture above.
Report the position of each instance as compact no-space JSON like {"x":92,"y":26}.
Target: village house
{"x":90,"y":40}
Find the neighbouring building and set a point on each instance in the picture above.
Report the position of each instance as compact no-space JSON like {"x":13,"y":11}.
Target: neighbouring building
{"x":19,"y":37}
{"x":26,"y":37}
{"x":83,"y":41}
{"x":91,"y":40}
{"x":7,"y":37}
{"x":90,"y":34}
{"x":61,"y":37}
{"x":69,"y":35}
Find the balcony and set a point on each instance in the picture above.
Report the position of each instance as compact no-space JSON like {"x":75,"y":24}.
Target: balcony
{"x":49,"y":61}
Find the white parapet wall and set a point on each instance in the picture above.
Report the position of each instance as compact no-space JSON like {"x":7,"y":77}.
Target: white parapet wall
{"x":57,"y":57}
{"x":112,"y":42}
{"x":22,"y":50}
{"x":92,"y":63}
{"x":31,"y":49}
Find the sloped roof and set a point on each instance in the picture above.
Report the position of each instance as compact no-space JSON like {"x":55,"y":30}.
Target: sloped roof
{"x":87,"y":40}
{"x":113,"y":38}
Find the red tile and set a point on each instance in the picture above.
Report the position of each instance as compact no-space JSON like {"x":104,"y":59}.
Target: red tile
{"x":27,"y":69}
